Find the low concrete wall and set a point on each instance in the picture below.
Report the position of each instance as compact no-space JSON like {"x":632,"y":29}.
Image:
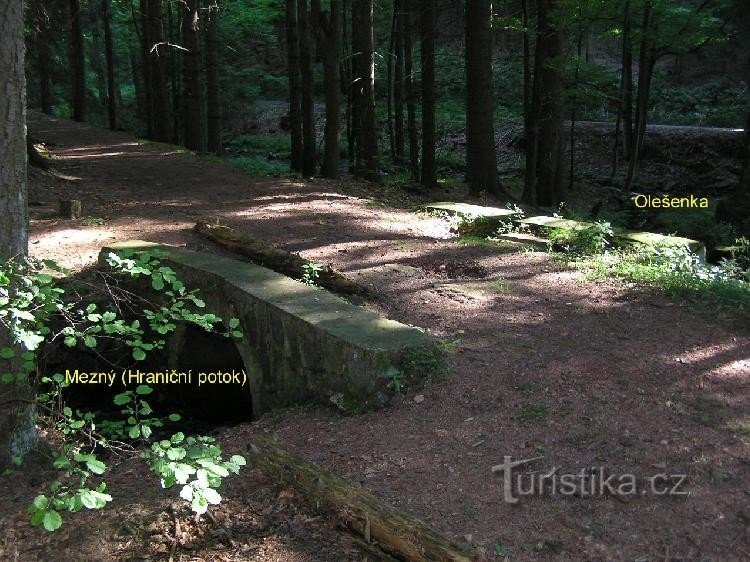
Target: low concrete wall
{"x":301,"y":343}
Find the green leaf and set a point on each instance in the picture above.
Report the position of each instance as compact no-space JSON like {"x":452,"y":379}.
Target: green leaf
{"x":234,"y":323}
{"x":96,"y":466}
{"x":175,"y":417}
{"x":41,"y":502}
{"x":178,"y":437}
{"x":146,"y":430}
{"x":238,"y":459}
{"x":70,"y":341}
{"x":144,"y":389}
{"x":8,"y":377}
{"x":7,"y":353}
{"x":52,"y":520}
{"x":134,"y":432}
{"x":121,"y":399}
{"x":139,"y":354}
{"x":89,"y":341}
{"x":157,"y":281}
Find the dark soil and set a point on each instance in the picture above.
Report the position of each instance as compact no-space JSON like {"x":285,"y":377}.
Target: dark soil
{"x":546,"y":365}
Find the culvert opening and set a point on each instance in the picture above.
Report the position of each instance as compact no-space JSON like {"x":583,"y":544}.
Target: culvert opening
{"x":199,"y":375}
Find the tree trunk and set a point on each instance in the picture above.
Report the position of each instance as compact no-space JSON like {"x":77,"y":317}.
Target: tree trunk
{"x":110,"y":57}
{"x":646,"y":63}
{"x":398,"y":85}
{"x":191,"y":83}
{"x":17,"y":432}
{"x":411,"y":102}
{"x":157,"y":62}
{"x":295,"y":94}
{"x":529,"y":114}
{"x":97,"y":51}
{"x":331,"y":33}
{"x":307,"y":89}
{"x":213,"y":90}
{"x":627,"y":84}
{"x":427,"y":30}
{"x":390,"y":61}
{"x":41,"y":40}
{"x":364,"y":90}
{"x":549,"y":50}
{"x":481,"y":160}
{"x":745,"y":178}
{"x":77,"y":62}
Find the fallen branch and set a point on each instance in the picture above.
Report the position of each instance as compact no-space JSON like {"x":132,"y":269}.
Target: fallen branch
{"x":395,"y":532}
{"x":279,"y":260}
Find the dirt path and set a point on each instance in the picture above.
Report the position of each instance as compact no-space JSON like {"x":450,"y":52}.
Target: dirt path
{"x":583,"y":374}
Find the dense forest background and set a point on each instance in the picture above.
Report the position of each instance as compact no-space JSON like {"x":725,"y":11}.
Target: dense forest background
{"x":399,"y":89}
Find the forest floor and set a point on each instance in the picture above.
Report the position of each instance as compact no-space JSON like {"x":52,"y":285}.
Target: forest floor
{"x":584,"y":374}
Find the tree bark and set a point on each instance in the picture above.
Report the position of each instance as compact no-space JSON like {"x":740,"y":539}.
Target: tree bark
{"x":481,"y":159}
{"x":530,"y":113}
{"x":110,"y":58}
{"x":17,"y":433}
{"x":41,"y":41}
{"x":410,"y":90}
{"x":77,"y":62}
{"x":646,"y":63}
{"x":295,"y":94}
{"x":745,"y":178}
{"x":330,"y":31}
{"x":627,"y":83}
{"x":428,"y":29}
{"x":213,"y":90}
{"x":364,"y":90}
{"x":398,"y":85}
{"x":156,"y":59}
{"x":192,"y":83}
{"x":307,"y":88}
{"x":549,"y":50}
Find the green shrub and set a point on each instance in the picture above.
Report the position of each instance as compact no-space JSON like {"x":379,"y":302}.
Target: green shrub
{"x":36,"y":312}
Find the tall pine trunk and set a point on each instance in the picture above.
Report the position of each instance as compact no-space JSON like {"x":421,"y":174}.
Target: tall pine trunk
{"x":627,"y":83}
{"x":398,"y":85}
{"x":156,"y":58}
{"x":307,"y":88}
{"x":41,"y":41}
{"x":110,"y":58}
{"x":295,"y":95}
{"x":530,"y":113}
{"x":364,"y":90}
{"x":192,"y":86}
{"x":646,"y":63}
{"x":77,"y":62}
{"x":481,"y":159}
{"x":428,"y":29}
{"x":331,"y":34}
{"x":410,"y":91}
{"x":17,"y":432}
{"x":213,"y":91}
{"x":549,"y":50}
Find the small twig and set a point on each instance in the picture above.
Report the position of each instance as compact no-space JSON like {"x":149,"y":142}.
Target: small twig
{"x":514,"y":464}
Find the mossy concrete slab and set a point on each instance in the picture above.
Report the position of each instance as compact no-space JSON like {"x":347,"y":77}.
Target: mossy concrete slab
{"x":525,"y":238}
{"x":301,"y":343}
{"x":653,"y":239}
{"x":470,"y":211}
{"x":554,"y":222}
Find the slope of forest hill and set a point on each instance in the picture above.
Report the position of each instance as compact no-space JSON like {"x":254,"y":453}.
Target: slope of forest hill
{"x":545,"y":364}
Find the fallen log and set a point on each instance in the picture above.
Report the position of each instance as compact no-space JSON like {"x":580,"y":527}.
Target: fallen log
{"x":281,"y":261}
{"x":396,"y":533}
